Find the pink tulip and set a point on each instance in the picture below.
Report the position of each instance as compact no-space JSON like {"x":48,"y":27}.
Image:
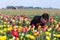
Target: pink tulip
{"x":18,"y":17}
{"x":23,"y":29}
{"x":8,"y":16}
{"x":44,"y":28}
{"x":51,"y":20}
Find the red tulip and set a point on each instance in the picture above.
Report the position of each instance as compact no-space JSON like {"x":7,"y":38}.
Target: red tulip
{"x":54,"y":26}
{"x":2,"y":23}
{"x":48,"y":26}
{"x":38,"y":24}
{"x":21,"y":15}
{"x":14,"y":18}
{"x":57,"y":29}
{"x":15,"y":33}
{"x":44,"y":22}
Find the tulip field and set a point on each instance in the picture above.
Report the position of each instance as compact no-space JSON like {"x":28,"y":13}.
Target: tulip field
{"x":17,"y":27}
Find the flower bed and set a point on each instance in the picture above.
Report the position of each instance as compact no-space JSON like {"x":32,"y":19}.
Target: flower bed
{"x":18,"y":28}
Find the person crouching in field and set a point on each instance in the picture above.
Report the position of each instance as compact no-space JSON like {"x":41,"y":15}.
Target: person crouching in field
{"x":40,"y":20}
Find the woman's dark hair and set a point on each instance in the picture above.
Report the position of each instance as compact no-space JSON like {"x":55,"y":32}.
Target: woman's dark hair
{"x":45,"y":16}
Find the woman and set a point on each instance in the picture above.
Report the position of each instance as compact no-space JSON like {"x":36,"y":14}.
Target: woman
{"x":40,"y":20}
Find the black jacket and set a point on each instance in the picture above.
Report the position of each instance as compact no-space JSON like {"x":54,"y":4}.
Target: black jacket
{"x":36,"y":20}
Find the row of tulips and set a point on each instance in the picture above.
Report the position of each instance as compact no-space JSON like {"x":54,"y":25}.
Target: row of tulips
{"x":18,"y":28}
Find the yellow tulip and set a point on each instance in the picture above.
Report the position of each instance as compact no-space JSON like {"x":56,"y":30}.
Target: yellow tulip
{"x":10,"y":39}
{"x":0,"y":26}
{"x":9,"y":28}
{"x":5,"y":22}
{"x":21,"y":37}
{"x":28,"y":35}
{"x":54,"y":39}
{"x":15,"y":27}
{"x":9,"y":25}
{"x":48,"y":30}
{"x":0,"y":37}
{"x":32,"y":29}
{"x":5,"y":29}
{"x":57,"y":35}
{"x":39,"y":26}
{"x":54,"y":35}
{"x":47,"y":37}
{"x":47,"y":33}
{"x":32,"y":37}
{"x":1,"y":31}
{"x":3,"y":38}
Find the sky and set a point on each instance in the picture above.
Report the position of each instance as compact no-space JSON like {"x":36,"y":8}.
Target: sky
{"x":34,"y":3}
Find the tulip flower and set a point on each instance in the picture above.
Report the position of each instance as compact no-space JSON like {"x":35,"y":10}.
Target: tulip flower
{"x":59,"y":24}
{"x":16,"y":38}
{"x":9,"y":28}
{"x":47,"y":38}
{"x":8,"y":32}
{"x":5,"y":29}
{"x":24,"y":29}
{"x":47,"y":33}
{"x":3,"y":37}
{"x":15,"y":33}
{"x":18,"y":17}
{"x":1,"y":31}
{"x":57,"y":29}
{"x":30,"y":36}
{"x":54,"y":39}
{"x":35,"y":33}
{"x":21,"y":37}
{"x":44,"y":28}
